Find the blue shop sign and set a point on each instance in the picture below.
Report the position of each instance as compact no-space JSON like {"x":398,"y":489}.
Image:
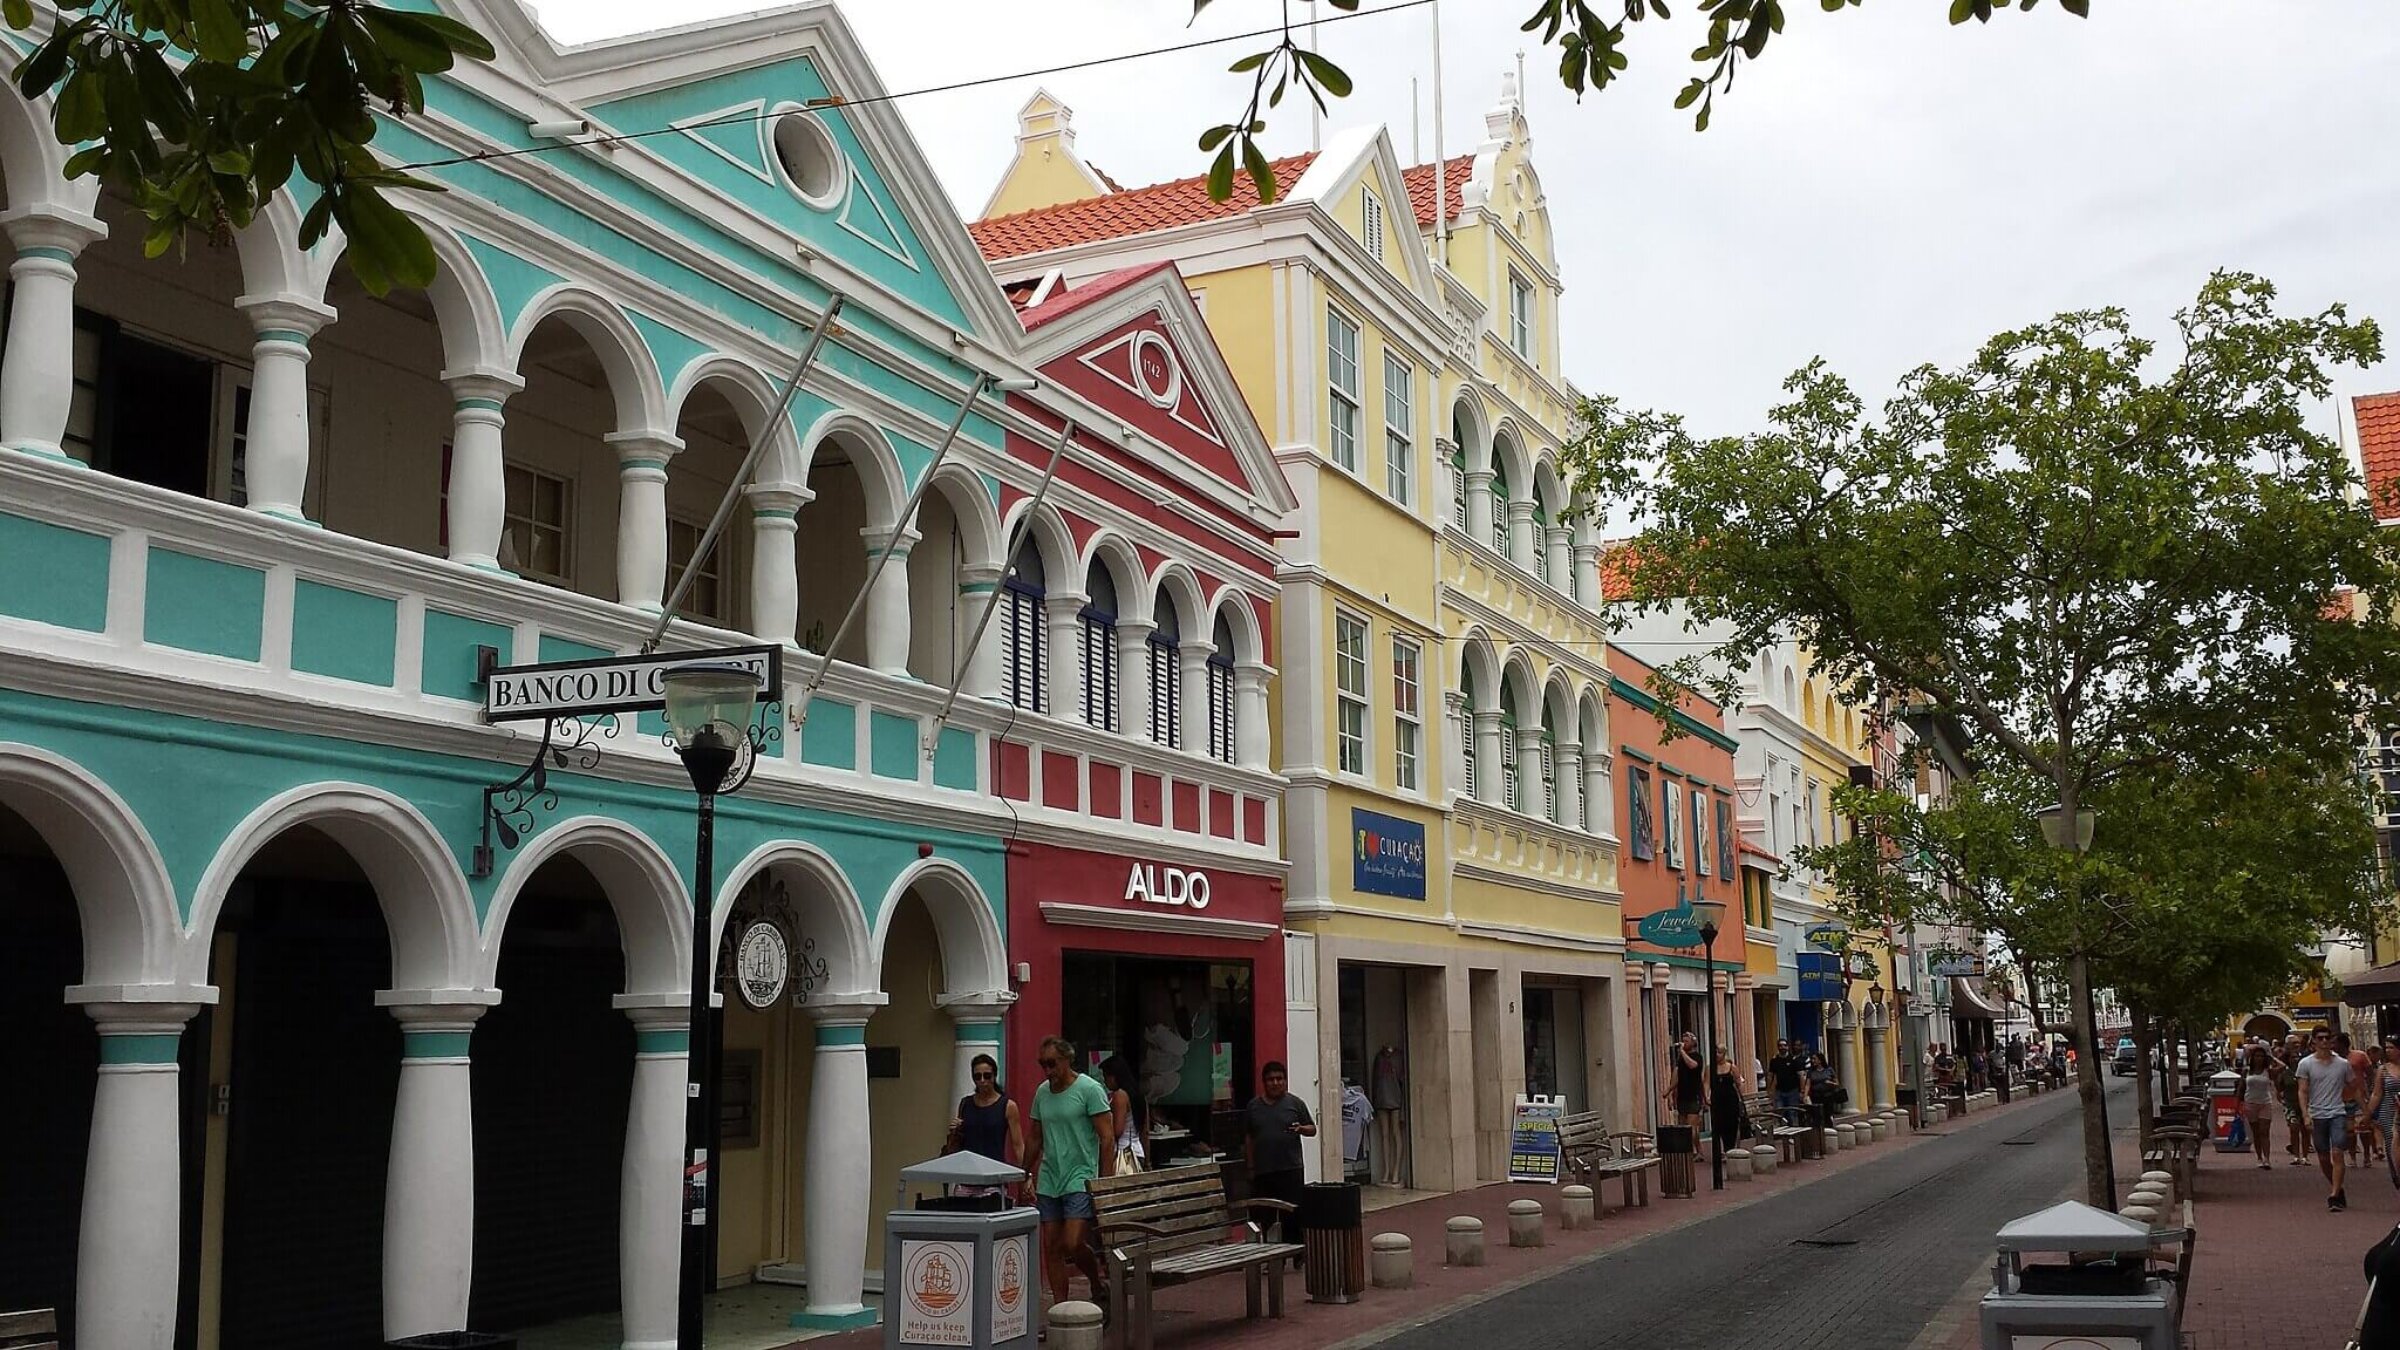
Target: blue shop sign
{"x":1820,"y":976}
{"x":1387,"y":855}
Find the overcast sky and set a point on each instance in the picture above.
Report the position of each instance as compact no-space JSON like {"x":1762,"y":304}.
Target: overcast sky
{"x":1881,"y":189}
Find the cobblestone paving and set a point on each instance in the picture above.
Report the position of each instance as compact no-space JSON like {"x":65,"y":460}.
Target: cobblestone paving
{"x":1860,"y":1261}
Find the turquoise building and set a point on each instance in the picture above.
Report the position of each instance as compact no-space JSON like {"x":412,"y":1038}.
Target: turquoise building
{"x":322,"y":1022}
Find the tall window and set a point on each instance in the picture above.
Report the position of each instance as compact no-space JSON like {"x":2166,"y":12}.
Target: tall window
{"x":1511,"y":780}
{"x":1399,"y":454}
{"x":1700,"y":845}
{"x":1166,"y":695}
{"x":707,"y":598}
{"x":1099,"y":620}
{"x":1541,"y":541}
{"x":1220,"y":693}
{"x":1520,"y":314}
{"x":1341,"y":374}
{"x":534,"y":541}
{"x":1549,"y":783}
{"x":1025,"y":641}
{"x":1350,"y":692}
{"x":1370,"y":222}
{"x":1499,"y":508}
{"x":1472,"y":746}
{"x":1408,"y":718}
{"x":1639,"y":834}
{"x":1458,"y":487}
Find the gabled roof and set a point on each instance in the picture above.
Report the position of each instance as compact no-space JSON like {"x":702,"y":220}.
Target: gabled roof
{"x":1184,"y":201}
{"x":2378,"y":420}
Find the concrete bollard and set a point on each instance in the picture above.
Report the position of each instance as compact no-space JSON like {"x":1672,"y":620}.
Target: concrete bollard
{"x":2163,"y":1180}
{"x":1075,"y":1325}
{"x":1525,"y":1223}
{"x":1737,"y":1164}
{"x":1764,"y":1159}
{"x":1842,"y":1137}
{"x":2140,"y":1214}
{"x":1576,"y":1208}
{"x":1882,"y":1125}
{"x":1462,"y":1243}
{"x":1391,"y":1261}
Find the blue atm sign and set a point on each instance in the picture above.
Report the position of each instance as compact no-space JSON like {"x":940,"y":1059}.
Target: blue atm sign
{"x":1387,"y":855}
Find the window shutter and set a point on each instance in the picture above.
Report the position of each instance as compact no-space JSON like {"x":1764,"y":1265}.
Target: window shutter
{"x":1458,"y":491}
{"x":1165,"y":701}
{"x":1220,"y":710}
{"x":1508,"y":761}
{"x":1099,"y":671}
{"x":1549,"y":783}
{"x":1023,"y":646}
{"x":1467,"y":765}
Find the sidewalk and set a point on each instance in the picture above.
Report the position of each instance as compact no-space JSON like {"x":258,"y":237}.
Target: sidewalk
{"x":2274,"y":1270}
{"x":1210,"y":1312}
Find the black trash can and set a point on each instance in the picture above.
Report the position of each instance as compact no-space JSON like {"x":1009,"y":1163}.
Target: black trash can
{"x":1677,"y":1147}
{"x":1906,"y":1099}
{"x":1333,"y":1229}
{"x":453,"y":1340}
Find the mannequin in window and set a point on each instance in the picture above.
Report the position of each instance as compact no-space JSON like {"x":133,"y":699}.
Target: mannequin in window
{"x":1388,"y":1090}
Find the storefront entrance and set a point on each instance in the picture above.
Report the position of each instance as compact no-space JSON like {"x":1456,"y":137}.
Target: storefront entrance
{"x":1375,"y":1060}
{"x":1554,"y":1045}
{"x":1185,"y":1029}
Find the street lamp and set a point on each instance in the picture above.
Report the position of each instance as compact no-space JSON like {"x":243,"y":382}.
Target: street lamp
{"x":1712,"y":913}
{"x":2075,"y":837}
{"x":708,"y":722}
{"x":2053,"y":820}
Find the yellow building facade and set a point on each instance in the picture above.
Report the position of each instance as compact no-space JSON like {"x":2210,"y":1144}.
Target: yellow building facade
{"x":1453,"y":926}
{"x":1840,"y":741}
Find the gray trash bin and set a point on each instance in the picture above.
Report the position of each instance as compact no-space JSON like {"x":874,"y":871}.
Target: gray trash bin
{"x":961,"y":1270}
{"x":2098,"y":1285}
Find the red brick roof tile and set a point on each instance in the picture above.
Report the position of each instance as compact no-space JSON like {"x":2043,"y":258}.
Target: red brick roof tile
{"x":2378,"y":419}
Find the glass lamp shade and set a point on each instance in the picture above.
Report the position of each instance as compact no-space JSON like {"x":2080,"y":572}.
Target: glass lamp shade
{"x":1711,"y":913}
{"x":1874,"y":993}
{"x":2059,"y":833}
{"x":708,"y":703}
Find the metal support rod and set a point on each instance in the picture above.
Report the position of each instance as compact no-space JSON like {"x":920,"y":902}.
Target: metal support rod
{"x":1008,"y":550}
{"x":698,"y":1119}
{"x":741,"y":478}
{"x":908,"y":512}
{"x":1716,"y":1137}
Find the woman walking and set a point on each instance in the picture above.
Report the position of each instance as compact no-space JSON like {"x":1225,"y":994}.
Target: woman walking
{"x":2383,"y":1101}
{"x":2258,"y":1104}
{"x":986,"y":1122}
{"x":1725,"y":1100}
{"x":1130,"y":1117}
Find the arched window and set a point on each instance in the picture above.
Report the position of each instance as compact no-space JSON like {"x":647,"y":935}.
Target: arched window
{"x":1466,"y":691}
{"x":1100,"y":648}
{"x":1511,"y":781}
{"x":1166,"y":695}
{"x":1541,"y":541}
{"x":1220,"y":693}
{"x":1499,"y":507}
{"x":1025,"y":642}
{"x":1549,"y":781}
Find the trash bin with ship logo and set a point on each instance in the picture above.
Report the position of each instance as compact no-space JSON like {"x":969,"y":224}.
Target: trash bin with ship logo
{"x":962,"y":1266}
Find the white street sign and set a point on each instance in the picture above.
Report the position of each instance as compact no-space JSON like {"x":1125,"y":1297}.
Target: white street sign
{"x":613,"y":684}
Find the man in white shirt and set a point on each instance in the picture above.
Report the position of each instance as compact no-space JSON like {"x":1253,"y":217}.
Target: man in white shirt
{"x":2324,"y":1079}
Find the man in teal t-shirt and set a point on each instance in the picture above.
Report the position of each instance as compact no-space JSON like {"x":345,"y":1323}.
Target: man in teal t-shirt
{"x":1071,"y":1144}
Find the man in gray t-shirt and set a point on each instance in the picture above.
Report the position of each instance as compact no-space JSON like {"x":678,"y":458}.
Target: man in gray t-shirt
{"x":2324,"y":1078}
{"x":1276,"y":1122}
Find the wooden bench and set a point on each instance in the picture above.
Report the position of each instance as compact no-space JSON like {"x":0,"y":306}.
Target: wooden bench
{"x":1792,"y":1138}
{"x":2176,"y":1148}
{"x":1173,"y":1226}
{"x":1582,"y":1145}
{"x":34,"y":1329}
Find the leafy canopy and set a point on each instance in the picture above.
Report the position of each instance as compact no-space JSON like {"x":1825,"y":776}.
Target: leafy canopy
{"x":199,"y":111}
{"x":1591,"y":40}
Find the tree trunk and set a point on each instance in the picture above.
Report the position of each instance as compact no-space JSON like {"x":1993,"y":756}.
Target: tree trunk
{"x":2099,"y":1190}
{"x":2145,"y":1038}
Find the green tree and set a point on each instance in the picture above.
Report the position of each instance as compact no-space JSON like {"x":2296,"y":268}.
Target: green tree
{"x":1590,"y":38}
{"x":2102,"y":557}
{"x":199,"y":111}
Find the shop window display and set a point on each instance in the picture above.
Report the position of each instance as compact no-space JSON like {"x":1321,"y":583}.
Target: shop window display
{"x":1186,"y":1027}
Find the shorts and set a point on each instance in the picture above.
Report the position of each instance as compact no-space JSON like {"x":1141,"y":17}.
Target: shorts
{"x":1687,"y":1107}
{"x":1056,"y":1208}
{"x":2331,"y":1133}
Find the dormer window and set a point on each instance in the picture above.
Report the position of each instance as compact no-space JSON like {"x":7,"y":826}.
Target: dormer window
{"x":1520,"y":314}
{"x":1370,"y":222}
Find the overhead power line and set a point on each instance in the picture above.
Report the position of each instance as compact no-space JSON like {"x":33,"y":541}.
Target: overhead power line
{"x":838,"y":101}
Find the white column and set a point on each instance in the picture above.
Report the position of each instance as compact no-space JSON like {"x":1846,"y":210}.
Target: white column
{"x":1133,"y":676}
{"x":975,"y":1031}
{"x":1250,"y":713}
{"x":1587,"y":575}
{"x":1192,"y":664}
{"x":1557,"y":559}
{"x":1529,"y":772}
{"x":478,"y":487}
{"x":1521,"y":541}
{"x":1479,"y":504}
{"x":37,"y":373}
{"x":887,"y":601}
{"x":1879,"y":1074}
{"x":839,"y":1157}
{"x":981,"y":664}
{"x":1599,"y":793}
{"x":1845,"y":1057}
{"x":1745,"y":1018}
{"x":1457,"y":740}
{"x":774,"y":565}
{"x":642,"y":516}
{"x":129,"y":1251}
{"x":1444,"y":481}
{"x":649,"y":1222}
{"x":1570,"y":783}
{"x":1491,"y":776}
{"x":1062,"y":613}
{"x":275,"y":442}
{"x":429,"y":1191}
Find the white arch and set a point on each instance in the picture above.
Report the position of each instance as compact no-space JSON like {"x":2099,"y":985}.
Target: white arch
{"x":1510,"y":460}
{"x":1591,"y":721}
{"x":1180,"y":585}
{"x":1233,"y":605}
{"x":1478,"y":659}
{"x":633,"y":378}
{"x":974,"y":954}
{"x":754,"y":398}
{"x":1547,"y":489}
{"x":427,"y":909}
{"x":645,"y":891}
{"x":34,"y":160}
{"x":971,"y":506}
{"x":122,"y":893}
{"x":1116,"y":553}
{"x":1521,"y":686}
{"x":880,"y":480}
{"x":273,"y":263}
{"x":1051,"y":539}
{"x":822,"y":895}
{"x":1475,"y":438}
{"x":465,"y":311}
{"x":1558,"y":704}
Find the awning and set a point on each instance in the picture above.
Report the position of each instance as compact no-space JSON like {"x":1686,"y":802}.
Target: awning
{"x":2370,"y":987}
{"x":1969,"y":999}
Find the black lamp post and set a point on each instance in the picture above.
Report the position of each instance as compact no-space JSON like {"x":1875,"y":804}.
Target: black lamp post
{"x":708,"y":720}
{"x":1711,"y":913}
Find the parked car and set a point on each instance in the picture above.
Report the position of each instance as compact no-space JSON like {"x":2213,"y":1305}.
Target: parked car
{"x":2127,"y":1058}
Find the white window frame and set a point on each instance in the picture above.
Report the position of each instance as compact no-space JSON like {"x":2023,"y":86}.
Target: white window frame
{"x":1399,"y":446}
{"x":1342,"y":388}
{"x":511,"y":519}
{"x":712,"y":572}
{"x":1350,"y":684}
{"x":1408,"y":712}
{"x":1520,"y":314}
{"x":1370,"y":222}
